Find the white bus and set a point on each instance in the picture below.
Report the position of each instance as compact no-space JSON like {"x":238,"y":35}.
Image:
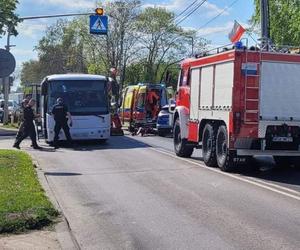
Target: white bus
{"x":86,"y":97}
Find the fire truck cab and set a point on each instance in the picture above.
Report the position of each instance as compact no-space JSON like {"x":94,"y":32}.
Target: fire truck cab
{"x":237,"y":104}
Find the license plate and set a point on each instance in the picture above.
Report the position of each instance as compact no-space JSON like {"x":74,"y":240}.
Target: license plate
{"x":282,"y":139}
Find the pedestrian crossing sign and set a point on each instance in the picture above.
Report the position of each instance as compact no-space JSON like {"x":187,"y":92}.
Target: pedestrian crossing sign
{"x":98,"y":24}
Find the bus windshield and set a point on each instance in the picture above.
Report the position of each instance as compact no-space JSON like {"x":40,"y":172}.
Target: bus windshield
{"x":82,"y":97}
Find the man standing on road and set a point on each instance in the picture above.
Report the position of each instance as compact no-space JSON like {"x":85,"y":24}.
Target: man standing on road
{"x":28,"y":126}
{"x":21,"y":126}
{"x":61,"y":117}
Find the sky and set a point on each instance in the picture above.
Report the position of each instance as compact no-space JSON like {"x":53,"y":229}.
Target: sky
{"x":31,"y":31}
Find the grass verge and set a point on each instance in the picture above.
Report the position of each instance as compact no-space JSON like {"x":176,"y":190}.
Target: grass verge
{"x":11,"y":125}
{"x":23,"y":203}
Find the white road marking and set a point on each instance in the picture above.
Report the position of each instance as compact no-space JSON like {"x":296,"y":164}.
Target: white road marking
{"x":274,"y":185}
{"x":253,"y":182}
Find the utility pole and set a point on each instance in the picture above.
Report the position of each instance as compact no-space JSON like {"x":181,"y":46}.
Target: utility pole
{"x":264,"y":21}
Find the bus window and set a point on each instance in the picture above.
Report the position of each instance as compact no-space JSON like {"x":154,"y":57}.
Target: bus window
{"x":83,"y":97}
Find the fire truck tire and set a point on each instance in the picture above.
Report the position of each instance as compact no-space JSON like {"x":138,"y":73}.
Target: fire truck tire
{"x":180,"y":145}
{"x":209,"y":145}
{"x":225,"y":157}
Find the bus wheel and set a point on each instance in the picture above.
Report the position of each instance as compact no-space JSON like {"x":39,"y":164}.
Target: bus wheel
{"x":225,"y":157}
{"x":180,"y":145}
{"x":209,"y":146}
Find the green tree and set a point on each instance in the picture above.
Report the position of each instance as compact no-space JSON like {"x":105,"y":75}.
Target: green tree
{"x":117,"y":48}
{"x":8,"y":18}
{"x":31,"y":72}
{"x":161,"y":41}
{"x":284,"y":21}
{"x":61,"y":49}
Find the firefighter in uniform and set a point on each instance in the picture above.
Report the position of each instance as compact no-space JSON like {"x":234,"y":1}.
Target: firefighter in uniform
{"x":28,"y":126}
{"x":60,"y":113}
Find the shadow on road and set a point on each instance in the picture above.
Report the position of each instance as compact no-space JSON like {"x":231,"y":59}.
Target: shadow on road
{"x":266,"y":170}
{"x":198,"y":159}
{"x":120,"y":142}
{"x":61,"y":174}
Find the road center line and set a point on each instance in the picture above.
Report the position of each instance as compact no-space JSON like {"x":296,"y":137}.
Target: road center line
{"x":261,"y":185}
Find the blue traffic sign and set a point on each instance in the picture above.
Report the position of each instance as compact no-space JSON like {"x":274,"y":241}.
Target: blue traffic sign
{"x":98,"y":24}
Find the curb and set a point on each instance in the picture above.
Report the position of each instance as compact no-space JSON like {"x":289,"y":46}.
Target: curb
{"x":66,"y":237}
{"x":9,"y":129}
{"x":8,"y":134}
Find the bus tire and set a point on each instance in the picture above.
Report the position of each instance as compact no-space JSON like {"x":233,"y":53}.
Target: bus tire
{"x":225,"y":157}
{"x":209,"y":145}
{"x":180,"y":145}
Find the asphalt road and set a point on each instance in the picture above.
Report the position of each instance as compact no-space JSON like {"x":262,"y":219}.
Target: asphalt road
{"x":128,"y":195}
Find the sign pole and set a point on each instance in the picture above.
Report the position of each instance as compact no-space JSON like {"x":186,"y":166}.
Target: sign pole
{"x":6,"y":85}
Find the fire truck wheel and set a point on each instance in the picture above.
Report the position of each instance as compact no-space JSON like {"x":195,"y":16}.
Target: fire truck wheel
{"x":180,"y":145}
{"x":225,"y":157}
{"x":209,"y":145}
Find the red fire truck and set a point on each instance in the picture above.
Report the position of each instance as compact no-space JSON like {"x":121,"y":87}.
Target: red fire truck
{"x":237,"y":104}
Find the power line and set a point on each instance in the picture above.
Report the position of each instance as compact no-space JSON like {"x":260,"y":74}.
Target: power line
{"x":191,"y":12}
{"x":182,"y":12}
{"x":219,"y":14}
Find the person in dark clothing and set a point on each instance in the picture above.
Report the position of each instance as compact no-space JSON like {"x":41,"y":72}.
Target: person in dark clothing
{"x":21,"y":126}
{"x":61,"y":117}
{"x":28,"y":126}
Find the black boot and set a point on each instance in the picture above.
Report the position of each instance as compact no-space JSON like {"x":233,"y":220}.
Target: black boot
{"x":36,"y":146}
{"x":17,"y":146}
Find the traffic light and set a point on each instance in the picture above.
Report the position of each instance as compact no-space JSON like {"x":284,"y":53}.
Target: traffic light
{"x":99,"y":11}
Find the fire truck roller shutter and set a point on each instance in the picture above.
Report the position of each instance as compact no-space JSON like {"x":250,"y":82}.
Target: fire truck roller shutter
{"x":223,"y":86}
{"x":195,"y":88}
{"x":279,"y":90}
{"x":206,"y":89}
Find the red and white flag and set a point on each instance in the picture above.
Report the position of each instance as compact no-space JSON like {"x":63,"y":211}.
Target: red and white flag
{"x":236,"y":33}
